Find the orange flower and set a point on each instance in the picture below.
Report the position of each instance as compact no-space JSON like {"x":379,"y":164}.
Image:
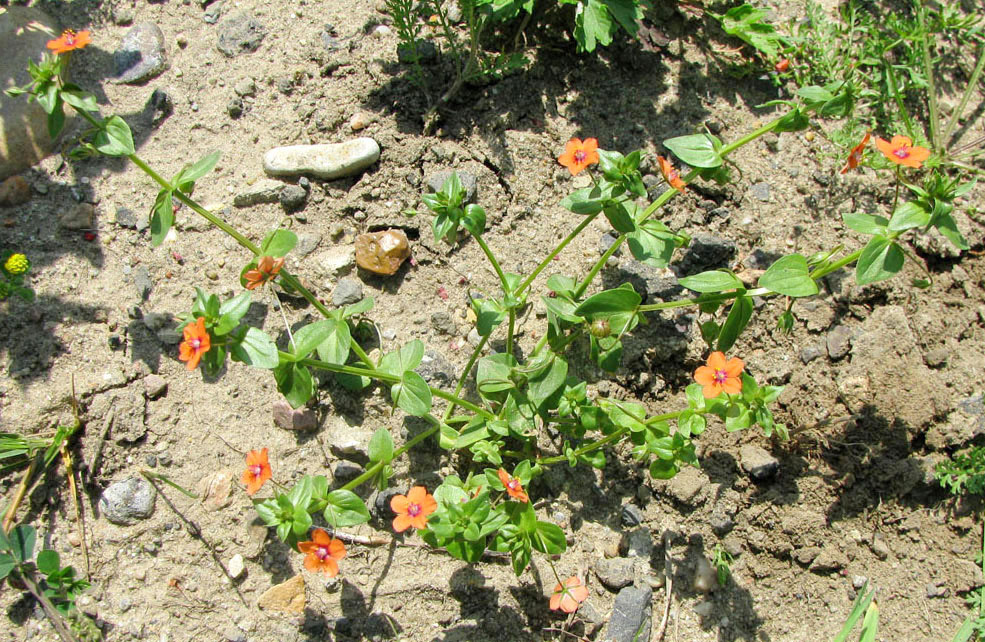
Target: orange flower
{"x":266,"y":269}
{"x":513,"y":487}
{"x":855,"y":157}
{"x":412,"y":509}
{"x":901,"y":151}
{"x":720,"y":375}
{"x":257,"y":470}
{"x":68,"y":41}
{"x":578,"y":155}
{"x":671,"y":175}
{"x":569,"y":596}
{"x":197,"y":342}
{"x":323,"y":552}
{"x":782,"y":66}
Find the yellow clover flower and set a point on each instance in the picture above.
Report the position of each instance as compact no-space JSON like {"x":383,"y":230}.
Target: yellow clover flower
{"x":17,"y":264}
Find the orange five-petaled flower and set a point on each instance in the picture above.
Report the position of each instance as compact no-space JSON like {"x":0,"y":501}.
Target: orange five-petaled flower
{"x":412,"y":509}
{"x":323,"y":552}
{"x":720,"y":376}
{"x":68,"y":41}
{"x":671,"y":175}
{"x":266,"y":269}
{"x":855,"y":157}
{"x":570,"y":595}
{"x":513,"y":486}
{"x":578,"y":155}
{"x":901,"y":151}
{"x":257,"y":470}
{"x":197,"y":342}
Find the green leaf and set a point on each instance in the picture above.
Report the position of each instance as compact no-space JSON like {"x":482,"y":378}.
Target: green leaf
{"x":7,"y":564}
{"x":278,"y":243}
{"x":865,"y":223}
{"x":48,"y":562}
{"x":609,"y":302}
{"x":908,"y":215}
{"x":474,"y":220}
{"x":587,"y":200}
{"x":412,"y":394}
{"x":452,"y":190}
{"x":627,"y":13}
{"x":652,"y":243}
{"x":946,"y":225}
{"x":697,"y":150}
{"x":162,"y":217}
{"x":735,"y":323}
{"x":407,"y":358}
{"x":814,"y":95}
{"x":309,"y":337}
{"x":711,"y":281}
{"x":381,"y":446}
{"x":114,"y":139}
{"x":593,"y":25}
{"x":493,"y":373}
{"x":794,"y":121}
{"x":256,"y":349}
{"x":547,"y":382}
{"x":231,"y":312}
{"x":789,"y":275}
{"x":185,"y":180}
{"x":20,"y":542}
{"x":334,"y":348}
{"x":79,"y":99}
{"x":345,"y":509}
{"x":489,"y":314}
{"x":880,"y":259}
{"x":619,"y":217}
{"x":663,"y":469}
{"x":746,"y":23}
{"x":364,"y":305}
{"x":549,"y":539}
{"x":295,"y":383}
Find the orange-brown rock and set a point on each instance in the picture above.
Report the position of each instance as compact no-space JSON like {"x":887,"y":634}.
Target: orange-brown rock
{"x":382,"y":252}
{"x":286,"y":597}
{"x":14,"y":191}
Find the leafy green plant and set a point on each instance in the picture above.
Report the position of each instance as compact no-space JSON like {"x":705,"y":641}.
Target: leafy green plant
{"x":864,"y":605}
{"x":722,"y":561}
{"x":14,"y":268}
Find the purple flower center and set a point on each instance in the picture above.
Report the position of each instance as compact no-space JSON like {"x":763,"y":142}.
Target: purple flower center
{"x":322,"y":552}
{"x":580,"y":156}
{"x":720,"y":376}
{"x":901,"y":152}
{"x":256,"y":470}
{"x":414,"y":510}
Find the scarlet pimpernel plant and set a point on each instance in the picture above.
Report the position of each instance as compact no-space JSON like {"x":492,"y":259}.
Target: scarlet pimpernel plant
{"x":519,"y":398}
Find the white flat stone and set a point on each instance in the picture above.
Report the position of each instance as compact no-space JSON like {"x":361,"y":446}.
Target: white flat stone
{"x":326,"y":161}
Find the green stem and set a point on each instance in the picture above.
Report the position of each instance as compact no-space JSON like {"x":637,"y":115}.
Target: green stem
{"x":608,"y":439}
{"x":969,"y":90}
{"x":494,"y":262}
{"x":928,"y":71}
{"x":509,"y":331}
{"x":557,"y":250}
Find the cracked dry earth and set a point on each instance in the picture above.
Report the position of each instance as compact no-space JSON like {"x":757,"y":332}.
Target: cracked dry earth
{"x":881,"y":382}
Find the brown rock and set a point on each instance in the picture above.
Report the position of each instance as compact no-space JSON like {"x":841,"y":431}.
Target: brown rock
{"x":286,"y":597}
{"x":79,"y":217}
{"x":14,"y":191}
{"x":382,"y":252}
{"x":290,"y":419}
{"x":215,"y":489}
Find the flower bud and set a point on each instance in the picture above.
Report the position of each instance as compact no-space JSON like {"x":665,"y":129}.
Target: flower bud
{"x":600,"y":328}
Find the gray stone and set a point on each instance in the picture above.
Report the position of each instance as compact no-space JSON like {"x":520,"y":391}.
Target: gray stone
{"x":236,"y":566}
{"x":760,"y":191}
{"x":24,"y":140}
{"x":879,"y":547}
{"x":245,"y":87}
{"x":707,"y":252}
{"x":381,"y":504}
{"x":326,"y":161}
{"x":289,"y":418}
{"x":213,"y":12}
{"x":307,"y":243}
{"x":839,"y":341}
{"x":636,"y":543}
{"x":142,"y":54}
{"x":128,"y":501}
{"x":810,"y":353}
{"x":336,"y":261}
{"x":155,"y":386}
{"x":630,"y":615}
{"x":141,"y":280}
{"x":235,"y":107}
{"x":347,"y":292}
{"x":443,"y":323}
{"x":345,"y":472}
{"x":348,"y":441}
{"x":437,"y":180}
{"x":685,"y":486}
{"x":161,"y":104}
{"x":80,"y":217}
{"x":705,"y":579}
{"x":758,"y":463}
{"x":615,"y":573}
{"x":436,"y":369}
{"x":936,"y":357}
{"x":123,"y":15}
{"x":606,"y":241}
{"x":240,"y":33}
{"x":830,"y":559}
{"x":265,"y":190}
{"x":650,"y":282}
{"x":126,"y":217}
{"x":293,"y":198}
{"x":631,"y":515}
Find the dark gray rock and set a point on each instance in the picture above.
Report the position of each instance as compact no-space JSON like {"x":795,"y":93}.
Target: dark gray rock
{"x":128,"y":501}
{"x":636,"y":543}
{"x":346,"y":471}
{"x":615,"y":573}
{"x":213,"y":12}
{"x":758,"y":463}
{"x":707,"y":252}
{"x":293,"y":198}
{"x":436,"y":369}
{"x":468,"y":181}
{"x":606,"y":242}
{"x":307,"y":243}
{"x":631,"y":515}
{"x":422,"y":51}
{"x":142,"y":54}
{"x":444,"y":323}
{"x":760,"y":191}
{"x":126,"y":218}
{"x":631,"y":615}
{"x":240,"y":33}
{"x":839,"y":341}
{"x":141,"y":280}
{"x":381,"y":504}
{"x":161,"y":105}
{"x":649,"y":282}
{"x":235,"y":107}
{"x":347,"y":292}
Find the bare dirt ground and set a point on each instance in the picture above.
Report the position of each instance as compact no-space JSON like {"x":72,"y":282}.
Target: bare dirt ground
{"x":882,"y":382}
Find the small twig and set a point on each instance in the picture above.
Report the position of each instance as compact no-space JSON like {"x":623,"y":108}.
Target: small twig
{"x":49,"y":609}
{"x":97,"y":453}
{"x":363,"y":540}
{"x":80,"y":522}
{"x":557,"y":630}
{"x":668,"y":586}
{"x":8,"y":519}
